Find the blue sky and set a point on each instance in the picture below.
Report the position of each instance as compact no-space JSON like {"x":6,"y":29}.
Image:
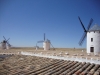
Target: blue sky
{"x":25,"y":21}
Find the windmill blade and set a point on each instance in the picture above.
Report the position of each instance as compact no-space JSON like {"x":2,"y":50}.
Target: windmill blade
{"x":40,"y":41}
{"x":90,"y":23}
{"x":44,"y":36}
{"x":7,"y":42}
{"x":10,"y":45}
{"x":82,"y":24}
{"x":8,"y":39}
{"x":82,"y":39}
{"x":52,"y":46}
{"x":4,"y":37}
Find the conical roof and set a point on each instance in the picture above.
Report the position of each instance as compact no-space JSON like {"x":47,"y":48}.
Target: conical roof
{"x":95,"y":28}
{"x":47,"y":41}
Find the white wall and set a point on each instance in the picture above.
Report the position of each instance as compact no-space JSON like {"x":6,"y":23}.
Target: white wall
{"x":95,"y":43}
{"x":46,"y":45}
{"x":3,"y":45}
{"x":63,"y":58}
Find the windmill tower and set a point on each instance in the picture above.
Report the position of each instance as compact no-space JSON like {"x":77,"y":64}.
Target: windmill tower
{"x":5,"y":44}
{"x":46,"y":44}
{"x":93,"y":40}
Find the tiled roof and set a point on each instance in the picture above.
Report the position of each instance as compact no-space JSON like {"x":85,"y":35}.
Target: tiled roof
{"x":31,"y":65}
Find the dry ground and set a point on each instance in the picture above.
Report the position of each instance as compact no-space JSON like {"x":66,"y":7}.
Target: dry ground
{"x":57,"y":51}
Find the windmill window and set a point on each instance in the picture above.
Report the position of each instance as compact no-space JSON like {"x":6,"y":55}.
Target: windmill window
{"x":91,"y":39}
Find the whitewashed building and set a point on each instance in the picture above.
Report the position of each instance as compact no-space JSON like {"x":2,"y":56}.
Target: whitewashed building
{"x":46,"y":44}
{"x":93,"y":40}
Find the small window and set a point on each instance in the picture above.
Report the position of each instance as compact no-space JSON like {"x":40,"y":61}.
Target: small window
{"x":91,"y":39}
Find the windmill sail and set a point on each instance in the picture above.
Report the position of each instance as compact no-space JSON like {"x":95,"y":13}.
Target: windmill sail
{"x":82,"y":39}
{"x":85,"y":31}
{"x":40,"y":41}
{"x":82,"y":24}
{"x":52,"y":46}
{"x":44,"y":36}
{"x":5,"y":43}
{"x":90,"y":24}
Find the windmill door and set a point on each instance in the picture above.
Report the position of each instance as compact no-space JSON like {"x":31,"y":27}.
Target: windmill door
{"x":91,"y":49}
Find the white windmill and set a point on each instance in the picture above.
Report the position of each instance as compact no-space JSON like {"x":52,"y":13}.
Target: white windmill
{"x":5,"y":44}
{"x":46,"y":44}
{"x":93,"y":40}
{"x":93,"y":37}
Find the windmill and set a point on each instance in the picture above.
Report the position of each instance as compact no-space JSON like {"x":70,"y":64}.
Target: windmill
{"x":93,"y":37}
{"x":46,"y":43}
{"x":85,"y":31}
{"x":5,"y":43}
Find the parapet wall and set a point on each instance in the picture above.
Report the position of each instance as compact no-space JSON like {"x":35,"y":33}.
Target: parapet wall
{"x":73,"y":58}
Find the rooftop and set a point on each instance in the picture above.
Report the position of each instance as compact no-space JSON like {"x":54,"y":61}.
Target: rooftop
{"x":95,"y":28}
{"x":31,"y":65}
